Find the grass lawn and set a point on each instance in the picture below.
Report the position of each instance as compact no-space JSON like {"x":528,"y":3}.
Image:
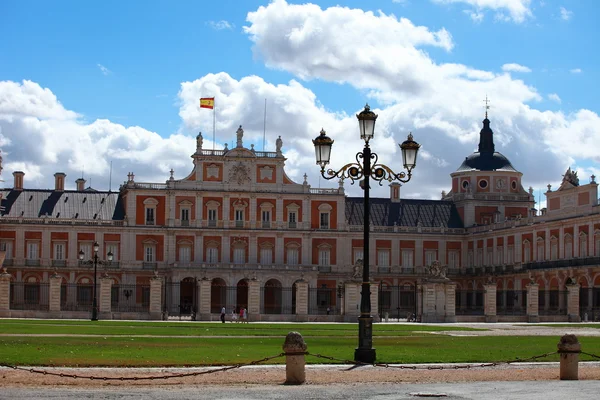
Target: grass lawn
{"x":135,"y":344}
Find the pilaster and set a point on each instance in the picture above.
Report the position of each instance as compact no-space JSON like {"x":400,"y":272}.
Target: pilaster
{"x":54,"y":295}
{"x":533,"y":302}
{"x":375,"y":301}
{"x":205,"y":295}
{"x":156,"y":283}
{"x":489,"y":302}
{"x":450,"y":302}
{"x":302,"y":300}
{"x":253,"y":300}
{"x":573,"y":303}
{"x":104,"y":297}
{"x":352,"y":299}
{"x":5,"y":278}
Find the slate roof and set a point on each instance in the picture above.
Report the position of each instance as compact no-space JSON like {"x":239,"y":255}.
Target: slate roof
{"x":87,"y":205}
{"x":486,"y":162}
{"x":407,"y":212}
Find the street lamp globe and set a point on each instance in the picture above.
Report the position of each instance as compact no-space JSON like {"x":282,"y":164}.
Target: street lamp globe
{"x":81,"y":255}
{"x":366,"y":123}
{"x":409,"y":148}
{"x":109,"y":256}
{"x":323,"y":144}
{"x":96,"y":247}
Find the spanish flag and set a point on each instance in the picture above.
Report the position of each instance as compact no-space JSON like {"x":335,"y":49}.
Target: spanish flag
{"x":207,"y":102}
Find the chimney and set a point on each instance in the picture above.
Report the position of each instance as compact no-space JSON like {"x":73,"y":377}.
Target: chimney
{"x":59,"y":181}
{"x":395,"y":192}
{"x":80,"y":184}
{"x":18,"y":180}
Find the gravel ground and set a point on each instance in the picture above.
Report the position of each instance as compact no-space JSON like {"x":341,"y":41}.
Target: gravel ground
{"x":275,"y":375}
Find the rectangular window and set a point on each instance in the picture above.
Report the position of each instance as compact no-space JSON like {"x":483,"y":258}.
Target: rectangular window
{"x":266,"y":219}
{"x":479,"y":261}
{"x":149,"y":216}
{"x":87,"y":250}
{"x":527,"y":253}
{"x":383,"y":257}
{"x":185,"y":216}
{"x":324,"y":221}
{"x":358,"y":255}
{"x":324,"y":257}
{"x":499,"y":255}
{"x":292,"y":256}
{"x":554,"y":250}
{"x":239,"y":218}
{"x":292,"y":219}
{"x":185,"y":254}
{"x":212,"y":217}
{"x":453,"y":257}
{"x":408,"y":259}
{"x":510,"y":256}
{"x":597,"y":247}
{"x":470,"y":259}
{"x":212,"y":255}
{"x":239,"y":255}
{"x":568,"y":250}
{"x":33,"y":250}
{"x":266,"y":256}
{"x":59,"y":251}
{"x":583,"y":247}
{"x":490,"y":257}
{"x":149,"y":253}
{"x":114,"y":249}
{"x":430,"y":257}
{"x":6,"y":246}
{"x":540,"y":252}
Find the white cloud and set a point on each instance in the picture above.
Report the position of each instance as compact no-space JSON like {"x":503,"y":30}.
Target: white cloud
{"x":554,"y":97}
{"x":476,"y":16}
{"x":515,"y":68}
{"x":220,"y":25}
{"x":103,"y":69}
{"x":576,"y":71}
{"x":518,"y":10}
{"x":565,"y":14}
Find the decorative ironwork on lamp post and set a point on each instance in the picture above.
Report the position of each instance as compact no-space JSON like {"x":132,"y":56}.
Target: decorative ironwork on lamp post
{"x":366,"y":167}
{"x":95,"y":261}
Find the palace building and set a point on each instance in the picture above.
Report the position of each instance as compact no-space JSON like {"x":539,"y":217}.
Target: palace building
{"x":237,"y":232}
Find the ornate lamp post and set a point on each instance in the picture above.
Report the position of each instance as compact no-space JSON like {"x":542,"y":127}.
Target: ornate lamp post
{"x":366,"y":168}
{"x":94,"y":261}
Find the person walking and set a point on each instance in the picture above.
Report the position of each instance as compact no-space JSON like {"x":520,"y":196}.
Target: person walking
{"x":245,"y":315}
{"x":223,"y":314}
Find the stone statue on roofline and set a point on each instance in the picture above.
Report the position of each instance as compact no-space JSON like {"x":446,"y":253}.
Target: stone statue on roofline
{"x":278,"y":145}
{"x":240,"y":134}
{"x":571,"y":177}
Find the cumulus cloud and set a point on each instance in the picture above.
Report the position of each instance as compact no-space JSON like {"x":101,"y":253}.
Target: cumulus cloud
{"x":105,"y":71}
{"x":220,"y":25}
{"x":506,"y":10}
{"x":515,"y":68}
{"x":554,"y":97}
{"x":476,"y":16}
{"x":565,"y":14}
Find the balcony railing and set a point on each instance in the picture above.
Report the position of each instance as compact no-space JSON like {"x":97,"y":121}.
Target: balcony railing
{"x":8,"y":262}
{"x":59,"y":263}
{"x":32,"y":263}
{"x":570,"y":262}
{"x":292,"y":225}
{"x":324,"y":268}
{"x":185,"y":222}
{"x":148,"y":265}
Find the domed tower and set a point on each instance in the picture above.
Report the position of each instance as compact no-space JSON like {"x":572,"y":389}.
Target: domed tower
{"x":486,"y":188}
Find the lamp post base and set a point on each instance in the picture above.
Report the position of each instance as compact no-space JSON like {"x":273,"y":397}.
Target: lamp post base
{"x":365,"y":352}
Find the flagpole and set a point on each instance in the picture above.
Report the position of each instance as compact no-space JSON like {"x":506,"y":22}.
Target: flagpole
{"x":265,"y":125}
{"x":214,"y":122}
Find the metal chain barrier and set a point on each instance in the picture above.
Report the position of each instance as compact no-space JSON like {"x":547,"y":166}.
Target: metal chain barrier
{"x":435,"y":367}
{"x":590,"y":355}
{"x":139,"y":378}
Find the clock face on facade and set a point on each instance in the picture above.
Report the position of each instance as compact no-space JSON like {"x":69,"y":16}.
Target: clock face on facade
{"x":500,"y":183}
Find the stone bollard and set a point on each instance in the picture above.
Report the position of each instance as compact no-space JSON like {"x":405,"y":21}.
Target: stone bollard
{"x":569,"y":349}
{"x":295,"y":349}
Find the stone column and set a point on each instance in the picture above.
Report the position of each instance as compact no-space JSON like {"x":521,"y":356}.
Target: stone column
{"x":302,"y":301}
{"x":253,"y":300}
{"x":450,"y":302}
{"x":533,"y":302}
{"x":155,"y":297}
{"x":489,"y":302}
{"x":351,"y":300}
{"x":104,"y":297}
{"x":375,"y":302}
{"x":5,"y":278}
{"x":573,"y":303}
{"x":55,"y":282}
{"x":204,"y":300}
{"x":428,"y":303}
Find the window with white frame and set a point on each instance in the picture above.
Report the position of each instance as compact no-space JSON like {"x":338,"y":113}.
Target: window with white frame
{"x":266,"y":255}
{"x":292,"y":214}
{"x":150,"y":211}
{"x":479,"y":261}
{"x":185,"y":253}
{"x":408,"y":258}
{"x":149,"y":252}
{"x":266,"y":214}
{"x":185,"y":216}
{"x":583,"y":245}
{"x":212,"y":208}
{"x":526,"y":251}
{"x":292,"y":255}
{"x":470,"y":259}
{"x":597,"y":248}
{"x":59,"y":251}
{"x":239,"y":252}
{"x":114,"y":249}
{"x":553,"y":248}
{"x":540,"y":250}
{"x":212,"y":254}
{"x":489,"y":257}
{"x":7,"y":247}
{"x":453,"y":259}
{"x":357,"y":253}
{"x":239,"y":218}
{"x":383,"y":257}
{"x":430,"y":257}
{"x":324,"y":256}
{"x":568,"y":246}
{"x":510,"y":254}
{"x":325,"y":216}
{"x":86,"y":248}
{"x":499,"y":255}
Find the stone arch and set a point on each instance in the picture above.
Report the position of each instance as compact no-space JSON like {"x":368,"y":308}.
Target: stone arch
{"x":242,"y":294}
{"x":273,"y":296}
{"x":218,"y":294}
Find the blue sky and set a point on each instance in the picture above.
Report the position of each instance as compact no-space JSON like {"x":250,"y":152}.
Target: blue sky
{"x":125,"y":75}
